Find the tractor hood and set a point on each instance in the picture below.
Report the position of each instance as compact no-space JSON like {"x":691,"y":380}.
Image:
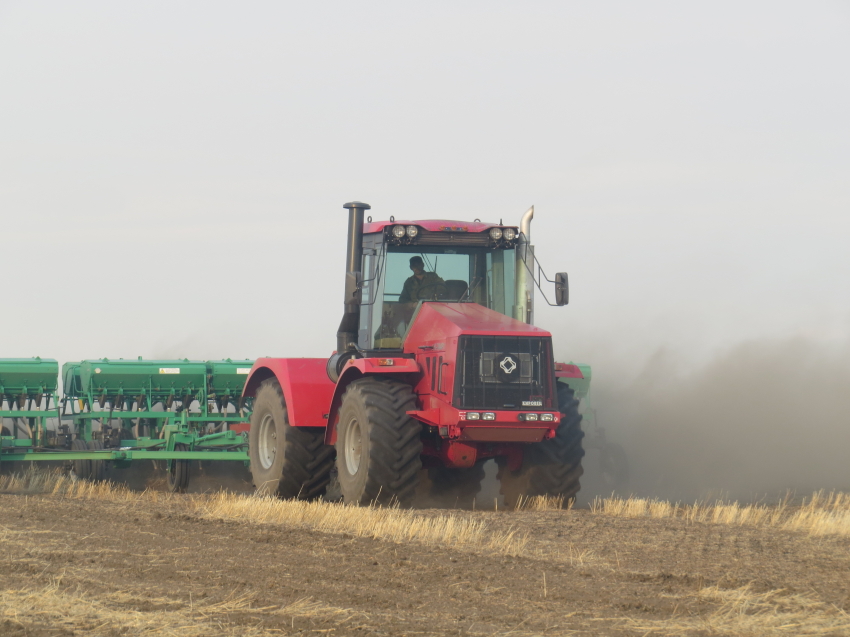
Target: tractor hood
{"x":435,"y":322}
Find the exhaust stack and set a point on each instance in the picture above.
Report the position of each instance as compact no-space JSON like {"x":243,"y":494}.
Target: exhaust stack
{"x":346,"y":336}
{"x":524,"y":285}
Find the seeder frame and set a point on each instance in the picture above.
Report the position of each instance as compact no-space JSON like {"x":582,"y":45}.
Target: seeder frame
{"x":177,"y":434}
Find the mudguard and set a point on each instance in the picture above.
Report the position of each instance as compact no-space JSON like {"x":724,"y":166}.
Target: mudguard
{"x":306,"y":388}
{"x":403,"y":368}
{"x":576,"y":376}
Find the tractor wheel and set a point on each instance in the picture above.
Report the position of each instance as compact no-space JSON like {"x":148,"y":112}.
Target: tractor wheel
{"x":551,"y":467}
{"x":4,"y":431}
{"x":286,"y":461}
{"x":378,"y":444}
{"x":456,"y":487}
{"x":97,"y":468}
{"x":80,"y":469}
{"x":177,"y":475}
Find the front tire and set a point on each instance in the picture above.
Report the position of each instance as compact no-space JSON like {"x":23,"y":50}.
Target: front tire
{"x":551,"y":467}
{"x":286,"y":461}
{"x":378,"y":444}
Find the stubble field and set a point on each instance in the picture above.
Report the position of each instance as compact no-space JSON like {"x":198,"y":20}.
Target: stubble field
{"x":81,"y":559}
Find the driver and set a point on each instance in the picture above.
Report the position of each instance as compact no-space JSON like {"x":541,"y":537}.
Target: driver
{"x":419,"y":281}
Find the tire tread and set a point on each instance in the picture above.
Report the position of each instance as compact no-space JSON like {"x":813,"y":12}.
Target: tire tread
{"x":394,"y":441}
{"x":551,"y":467}
{"x":307,"y":460}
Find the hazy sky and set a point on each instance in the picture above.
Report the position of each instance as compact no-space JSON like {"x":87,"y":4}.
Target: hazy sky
{"x":172,"y":173}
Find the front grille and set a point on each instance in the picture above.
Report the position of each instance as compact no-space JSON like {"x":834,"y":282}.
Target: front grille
{"x":504,"y":372}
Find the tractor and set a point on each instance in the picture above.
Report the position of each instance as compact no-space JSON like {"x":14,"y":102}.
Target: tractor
{"x":438,"y":368}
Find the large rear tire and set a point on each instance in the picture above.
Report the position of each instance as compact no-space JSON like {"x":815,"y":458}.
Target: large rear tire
{"x":551,"y":467}
{"x":378,"y":444}
{"x":286,"y":461}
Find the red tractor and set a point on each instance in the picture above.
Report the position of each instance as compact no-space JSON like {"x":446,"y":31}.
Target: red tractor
{"x":438,"y":366}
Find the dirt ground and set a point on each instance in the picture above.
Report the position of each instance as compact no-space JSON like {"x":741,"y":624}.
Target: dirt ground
{"x":91,"y":567}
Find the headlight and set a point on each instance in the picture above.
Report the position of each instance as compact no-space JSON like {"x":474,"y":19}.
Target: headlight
{"x":398,"y":231}
{"x":412,"y":231}
{"x":488,"y":415}
{"x":509,"y":234}
{"x":473,"y":415}
{"x":495,"y":234}
{"x":547,"y":417}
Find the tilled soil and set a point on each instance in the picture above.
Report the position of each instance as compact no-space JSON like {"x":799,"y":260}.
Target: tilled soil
{"x":158,"y":568}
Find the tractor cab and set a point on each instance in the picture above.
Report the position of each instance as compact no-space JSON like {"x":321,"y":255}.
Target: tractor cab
{"x":409,"y":262}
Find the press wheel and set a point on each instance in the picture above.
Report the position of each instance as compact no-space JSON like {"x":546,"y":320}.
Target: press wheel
{"x":177,"y":475}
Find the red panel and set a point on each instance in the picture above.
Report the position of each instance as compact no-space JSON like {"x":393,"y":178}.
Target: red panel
{"x":443,"y":415}
{"x":458,"y":454}
{"x":504,"y":434}
{"x":565,"y":370}
{"x":434,"y":225}
{"x":437,"y":455}
{"x":434,"y":335}
{"x":305,"y":383}
{"x":374,"y":366}
{"x":436,"y":321}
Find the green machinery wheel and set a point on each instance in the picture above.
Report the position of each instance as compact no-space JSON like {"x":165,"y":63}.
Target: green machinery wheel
{"x":80,"y":469}
{"x":177,"y":475}
{"x":97,"y":468}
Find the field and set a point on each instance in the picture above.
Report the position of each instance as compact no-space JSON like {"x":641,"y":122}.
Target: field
{"x":82,"y":559}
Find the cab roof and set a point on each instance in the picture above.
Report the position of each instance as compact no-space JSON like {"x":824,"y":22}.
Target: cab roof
{"x":436,"y":225}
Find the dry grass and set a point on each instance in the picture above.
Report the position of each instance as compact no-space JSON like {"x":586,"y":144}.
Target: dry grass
{"x":542,"y":503}
{"x":822,"y":514}
{"x":56,"y":483}
{"x":745,"y":612}
{"x":384,"y":523}
{"x":118,"y":613}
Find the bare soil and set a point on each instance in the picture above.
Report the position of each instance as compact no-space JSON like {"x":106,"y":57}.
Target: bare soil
{"x":130,"y":564}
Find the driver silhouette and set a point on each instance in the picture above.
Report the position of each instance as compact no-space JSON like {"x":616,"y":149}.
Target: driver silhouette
{"x":418,"y":282}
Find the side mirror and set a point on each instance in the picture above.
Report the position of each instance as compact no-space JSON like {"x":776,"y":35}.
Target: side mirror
{"x":562,"y":288}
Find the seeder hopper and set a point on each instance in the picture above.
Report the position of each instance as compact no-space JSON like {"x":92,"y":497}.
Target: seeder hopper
{"x":112,"y":412}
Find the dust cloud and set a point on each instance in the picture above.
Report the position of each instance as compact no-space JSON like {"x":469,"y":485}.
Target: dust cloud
{"x":760,"y":419}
